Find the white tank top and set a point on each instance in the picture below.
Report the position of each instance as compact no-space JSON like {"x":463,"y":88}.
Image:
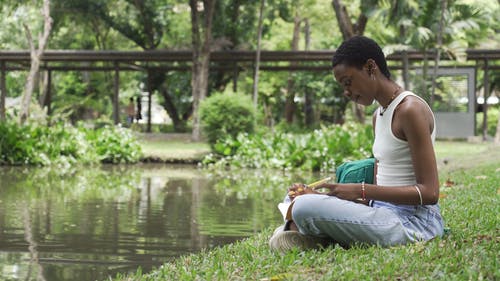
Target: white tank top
{"x":394,"y":166}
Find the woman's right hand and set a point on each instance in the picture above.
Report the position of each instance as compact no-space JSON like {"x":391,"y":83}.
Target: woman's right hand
{"x":298,"y":189}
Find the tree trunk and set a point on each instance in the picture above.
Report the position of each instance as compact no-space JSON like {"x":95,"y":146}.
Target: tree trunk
{"x":309,"y":96}
{"x":404,"y":58}
{"x":151,"y":86}
{"x":201,"y":59}
{"x":348,"y":30}
{"x":425,"y":70}
{"x":486,"y":95}
{"x":268,"y":115}
{"x":406,"y":69}
{"x":343,"y":20}
{"x":178,"y":121}
{"x":497,"y":134}
{"x":156,"y":81}
{"x":116,"y":95}
{"x":3,"y":90}
{"x":46,"y":97}
{"x":29,"y":87}
{"x":42,"y":100}
{"x":438,"y":51}
{"x":35,"y":60}
{"x":257,"y":56}
{"x":290,"y":92}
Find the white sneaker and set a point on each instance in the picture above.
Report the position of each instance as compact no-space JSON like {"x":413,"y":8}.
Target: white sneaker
{"x":284,"y":240}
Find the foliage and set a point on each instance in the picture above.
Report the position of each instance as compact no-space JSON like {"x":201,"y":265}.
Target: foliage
{"x":12,"y":35}
{"x":226,"y":115}
{"x":130,"y":23}
{"x":114,"y":145}
{"x":165,"y":24}
{"x":321,"y":150}
{"x":62,"y":144}
{"x":492,"y":120}
{"x":279,"y":22}
{"x":235,"y":22}
{"x":327,"y":96}
{"x":40,"y":145}
{"x":176,"y":93}
{"x":450,"y":91}
{"x":415,"y":25}
{"x":72,"y":99}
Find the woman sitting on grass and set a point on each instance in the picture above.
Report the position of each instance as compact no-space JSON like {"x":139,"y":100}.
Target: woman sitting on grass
{"x":401,"y":206}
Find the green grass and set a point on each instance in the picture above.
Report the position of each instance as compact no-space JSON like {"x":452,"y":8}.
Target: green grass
{"x":471,"y":208}
{"x":458,"y":150}
{"x":175,"y":149}
{"x":464,"y":155}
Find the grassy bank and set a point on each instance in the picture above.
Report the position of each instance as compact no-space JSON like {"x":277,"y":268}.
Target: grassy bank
{"x":470,"y":205}
{"x":172,"y":148}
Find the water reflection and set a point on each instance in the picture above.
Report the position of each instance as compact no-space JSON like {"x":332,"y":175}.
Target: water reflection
{"x":89,"y":223}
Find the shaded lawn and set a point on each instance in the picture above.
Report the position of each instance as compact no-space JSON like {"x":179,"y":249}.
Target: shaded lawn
{"x":174,"y":149}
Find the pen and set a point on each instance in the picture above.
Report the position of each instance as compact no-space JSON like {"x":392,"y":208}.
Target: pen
{"x":312,"y":186}
{"x":316,"y":183}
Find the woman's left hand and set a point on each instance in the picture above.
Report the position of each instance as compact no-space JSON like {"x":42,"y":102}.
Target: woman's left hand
{"x":298,"y":189}
{"x":351,"y":192}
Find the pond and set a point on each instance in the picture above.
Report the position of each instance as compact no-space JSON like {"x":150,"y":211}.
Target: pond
{"x":89,"y":223}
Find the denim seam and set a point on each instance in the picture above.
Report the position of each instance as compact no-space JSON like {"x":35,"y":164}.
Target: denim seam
{"x":324,"y":219}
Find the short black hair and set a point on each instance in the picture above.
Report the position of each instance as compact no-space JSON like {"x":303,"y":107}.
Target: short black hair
{"x":356,"y":50}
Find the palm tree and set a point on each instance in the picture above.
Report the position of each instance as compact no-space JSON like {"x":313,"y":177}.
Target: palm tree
{"x":432,"y":25}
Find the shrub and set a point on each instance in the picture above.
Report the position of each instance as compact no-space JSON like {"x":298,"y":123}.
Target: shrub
{"x":33,"y":144}
{"x":320,"y":150}
{"x":115,"y":145}
{"x":226,"y":115}
{"x":16,"y":144}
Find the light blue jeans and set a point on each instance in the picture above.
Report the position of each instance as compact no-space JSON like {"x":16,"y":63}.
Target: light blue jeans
{"x":348,"y":223}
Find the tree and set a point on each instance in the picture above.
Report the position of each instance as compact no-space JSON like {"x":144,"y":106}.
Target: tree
{"x":497,"y":134}
{"x":83,"y":94}
{"x":3,"y":92}
{"x":285,"y":24}
{"x":492,"y":78}
{"x":308,"y":95}
{"x":418,"y":24}
{"x":9,"y":40}
{"x":439,"y":43}
{"x":144,"y":24}
{"x":350,"y":29}
{"x":290,"y":105}
{"x":295,"y":12}
{"x":149,"y":25}
{"x":35,"y":59}
{"x":201,"y":33}
{"x":145,"y":29}
{"x":232,"y":29}
{"x":255,"y":88}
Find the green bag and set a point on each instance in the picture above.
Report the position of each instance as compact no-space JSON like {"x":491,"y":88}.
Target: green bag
{"x":356,"y":171}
